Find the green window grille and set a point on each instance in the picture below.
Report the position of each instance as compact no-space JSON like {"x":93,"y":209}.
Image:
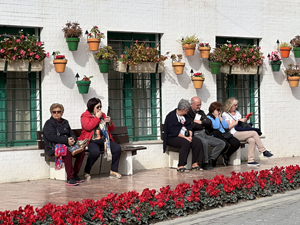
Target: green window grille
{"x":246,"y":88}
{"x":135,"y":98}
{"x":20,"y":102}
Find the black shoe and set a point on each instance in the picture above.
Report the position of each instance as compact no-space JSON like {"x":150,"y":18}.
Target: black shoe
{"x":225,"y":160}
{"x":77,"y":178}
{"x":207,"y":166}
{"x":71,"y":182}
{"x":267,"y":154}
{"x":213,"y":162}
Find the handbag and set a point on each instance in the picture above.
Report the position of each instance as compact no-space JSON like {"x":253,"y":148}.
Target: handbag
{"x":227,"y":135}
{"x":244,"y":124}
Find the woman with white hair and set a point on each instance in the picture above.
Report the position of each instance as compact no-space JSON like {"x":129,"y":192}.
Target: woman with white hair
{"x":232,"y":116}
{"x":178,"y":133}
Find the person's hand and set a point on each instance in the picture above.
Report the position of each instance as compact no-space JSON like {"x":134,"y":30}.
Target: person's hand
{"x":198,"y":121}
{"x":243,"y":119}
{"x":189,"y":138}
{"x":99,"y":114}
{"x":216,"y":113}
{"x":71,"y":141}
{"x":107,"y":119}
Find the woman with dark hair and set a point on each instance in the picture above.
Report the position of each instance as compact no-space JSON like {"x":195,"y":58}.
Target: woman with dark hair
{"x":178,"y":134}
{"x":219,"y":128}
{"x":96,"y":126}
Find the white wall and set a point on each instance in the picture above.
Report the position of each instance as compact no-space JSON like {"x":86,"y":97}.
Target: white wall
{"x":174,"y":19}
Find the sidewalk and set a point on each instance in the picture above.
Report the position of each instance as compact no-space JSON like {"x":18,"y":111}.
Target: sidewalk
{"x":40,"y":192}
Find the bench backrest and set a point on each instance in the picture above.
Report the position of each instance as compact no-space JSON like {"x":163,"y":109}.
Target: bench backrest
{"x":162,"y":131}
{"x":119,"y":134}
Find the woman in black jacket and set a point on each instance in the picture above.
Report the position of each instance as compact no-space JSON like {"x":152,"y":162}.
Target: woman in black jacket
{"x":178,"y":134}
{"x":58,"y":131}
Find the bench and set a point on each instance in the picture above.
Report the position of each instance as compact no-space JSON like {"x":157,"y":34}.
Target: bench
{"x":173,"y":153}
{"x":119,"y":134}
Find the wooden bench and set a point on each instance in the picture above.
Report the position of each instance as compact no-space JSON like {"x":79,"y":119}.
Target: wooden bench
{"x":119,"y":134}
{"x":173,"y":153}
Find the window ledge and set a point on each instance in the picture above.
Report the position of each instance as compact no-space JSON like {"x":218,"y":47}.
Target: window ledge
{"x":18,"y":148}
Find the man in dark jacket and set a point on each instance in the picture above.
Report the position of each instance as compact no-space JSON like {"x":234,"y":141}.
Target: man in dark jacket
{"x":199,"y":123}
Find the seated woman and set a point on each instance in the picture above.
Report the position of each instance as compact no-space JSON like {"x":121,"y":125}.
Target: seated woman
{"x":96,"y":127}
{"x":232,"y":116}
{"x":58,"y":136}
{"x":219,"y":125}
{"x":178,"y":134}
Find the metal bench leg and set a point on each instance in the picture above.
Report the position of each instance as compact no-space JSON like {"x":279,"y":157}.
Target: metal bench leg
{"x":101,"y":156}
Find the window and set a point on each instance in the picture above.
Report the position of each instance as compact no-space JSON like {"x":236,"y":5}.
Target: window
{"x":20,"y":102}
{"x":246,"y":88}
{"x":135,"y":98}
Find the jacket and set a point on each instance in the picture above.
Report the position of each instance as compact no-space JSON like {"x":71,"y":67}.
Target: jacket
{"x":206,"y":123}
{"x":56,"y":132}
{"x":89,"y":123}
{"x":172,"y":127}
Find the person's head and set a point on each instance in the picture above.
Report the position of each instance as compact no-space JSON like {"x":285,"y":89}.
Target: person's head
{"x":196,"y":103}
{"x":183,"y":107}
{"x":57,"y":110}
{"x":230,"y":105}
{"x":94,"y":105}
{"x":215,"y":106}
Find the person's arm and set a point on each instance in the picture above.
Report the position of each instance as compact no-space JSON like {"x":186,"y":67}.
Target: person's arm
{"x":206,"y":123}
{"x":89,"y":123}
{"x":215,"y":123}
{"x":50,"y":132}
{"x":225,"y":124}
{"x":110,"y":125}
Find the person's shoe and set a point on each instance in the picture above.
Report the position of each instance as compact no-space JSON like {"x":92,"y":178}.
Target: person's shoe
{"x":113,"y":174}
{"x":252,"y":164}
{"x":213,"y":162}
{"x":207,"y":166}
{"x":267,"y":154}
{"x":71,"y":182}
{"x":78,"y":179}
{"x":87,"y":176}
{"x":225,"y":160}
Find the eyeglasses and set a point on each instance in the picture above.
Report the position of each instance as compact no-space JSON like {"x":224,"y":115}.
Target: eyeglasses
{"x":99,"y":107}
{"x":56,"y":112}
{"x":235,"y":105}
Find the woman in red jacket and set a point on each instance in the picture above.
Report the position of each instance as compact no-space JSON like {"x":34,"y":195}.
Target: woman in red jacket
{"x":96,"y":126}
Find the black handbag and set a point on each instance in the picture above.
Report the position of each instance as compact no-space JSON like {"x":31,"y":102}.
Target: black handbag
{"x":244,"y":124}
{"x":227,"y":135}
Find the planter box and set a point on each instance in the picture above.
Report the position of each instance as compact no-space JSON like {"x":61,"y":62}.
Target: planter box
{"x":21,"y":66}
{"x":145,"y":67}
{"x":240,"y":69}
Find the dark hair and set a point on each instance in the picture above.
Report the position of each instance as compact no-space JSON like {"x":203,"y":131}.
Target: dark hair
{"x":215,"y":105}
{"x":91,"y":104}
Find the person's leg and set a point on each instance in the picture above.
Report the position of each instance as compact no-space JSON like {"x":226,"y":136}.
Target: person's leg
{"x":184,"y":146}
{"x":218,"y":145}
{"x":78,"y":162}
{"x":234,"y":145}
{"x":204,"y":145}
{"x":197,"y":151}
{"x":94,"y":153}
{"x":68,"y":165}
{"x":116,"y":154}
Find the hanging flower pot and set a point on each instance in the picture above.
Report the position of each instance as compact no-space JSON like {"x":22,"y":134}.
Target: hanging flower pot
{"x":189,"y":49}
{"x":60,"y":65}
{"x":294,"y":81}
{"x":237,"y":69}
{"x":72,"y":43}
{"x":72,"y":33}
{"x":83,"y":86}
{"x":296,"y":52}
{"x":145,"y":67}
{"x":104,"y":65}
{"x":275,"y":65}
{"x":285,"y":52}
{"x":204,"y":49}
{"x":93,"y":43}
{"x":178,"y":67}
{"x":215,"y":67}
{"x":198,"y":79}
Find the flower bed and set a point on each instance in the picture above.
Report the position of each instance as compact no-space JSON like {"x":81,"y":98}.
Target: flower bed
{"x":149,"y":206}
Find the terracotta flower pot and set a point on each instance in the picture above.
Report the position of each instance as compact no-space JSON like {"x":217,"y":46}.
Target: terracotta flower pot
{"x":178,"y":67}
{"x":93,"y":43}
{"x":60,"y":65}
{"x":198,"y":82}
{"x":204,"y":51}
{"x":189,"y":49}
{"x":285,"y":52}
{"x":294,"y":81}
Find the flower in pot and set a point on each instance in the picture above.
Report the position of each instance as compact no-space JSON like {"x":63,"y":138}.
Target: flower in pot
{"x":22,"y":53}
{"x":198,"y":79}
{"x":275,"y":60}
{"x":73,"y":33}
{"x":295,"y":42}
{"x":84,"y":84}
{"x":216,"y":58}
{"x":59,"y":62}
{"x":141,"y":59}
{"x":104,"y":55}
{"x":204,"y":49}
{"x":285,"y":49}
{"x":177,"y":64}
{"x":293,"y":74}
{"x":94,"y":38}
{"x":189,"y":44}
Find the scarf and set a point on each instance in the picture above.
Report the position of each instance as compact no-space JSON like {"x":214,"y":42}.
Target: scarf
{"x":107,"y":151}
{"x":60,"y":151}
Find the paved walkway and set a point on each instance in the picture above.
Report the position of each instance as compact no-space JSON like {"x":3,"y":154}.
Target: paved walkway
{"x":40,"y":192}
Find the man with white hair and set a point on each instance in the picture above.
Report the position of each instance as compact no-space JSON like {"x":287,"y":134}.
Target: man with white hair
{"x":199,"y":123}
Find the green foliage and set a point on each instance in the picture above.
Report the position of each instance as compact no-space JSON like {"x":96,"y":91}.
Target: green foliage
{"x":189,"y":40}
{"x":96,"y":33}
{"x":72,"y":30}
{"x":176,"y":58}
{"x":292,"y":70}
{"x":285,"y":44}
{"x":106,"y":53}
